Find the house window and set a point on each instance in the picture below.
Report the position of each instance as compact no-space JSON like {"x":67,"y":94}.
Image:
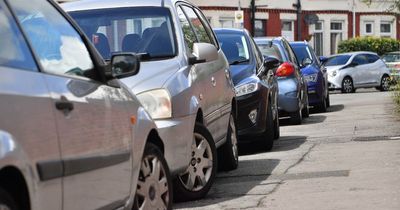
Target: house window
{"x":386,"y":27}
{"x":287,"y":30}
{"x":369,"y":28}
{"x":259,"y":28}
{"x":319,"y":38}
{"x":336,"y":35}
{"x":227,"y":22}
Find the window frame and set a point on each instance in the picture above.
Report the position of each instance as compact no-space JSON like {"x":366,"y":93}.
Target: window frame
{"x":365,"y":27}
{"x":390,"y":28}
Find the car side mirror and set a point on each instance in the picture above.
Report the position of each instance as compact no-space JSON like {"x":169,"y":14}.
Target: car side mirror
{"x":203,"y":52}
{"x":323,"y":59}
{"x":271,"y":63}
{"x":306,"y":62}
{"x":352,"y":64}
{"x":124,"y":65}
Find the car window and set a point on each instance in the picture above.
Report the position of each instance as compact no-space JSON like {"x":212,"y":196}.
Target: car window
{"x":292,"y":56}
{"x":207,"y":27}
{"x":391,"y":57}
{"x":372,"y":58}
{"x":337,"y":60}
{"x":235,"y":47}
{"x":188,"y":33}
{"x":269,"y":49}
{"x":145,"y":30}
{"x":57,"y":44}
{"x":14,"y":51}
{"x":197,"y":25}
{"x":360,"y":59}
{"x":257,"y":53}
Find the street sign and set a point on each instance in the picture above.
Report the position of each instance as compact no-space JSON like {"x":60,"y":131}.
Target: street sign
{"x":239,"y":15}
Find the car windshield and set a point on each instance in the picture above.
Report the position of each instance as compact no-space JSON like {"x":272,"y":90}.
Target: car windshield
{"x":235,"y":48}
{"x":302,"y":52}
{"x":337,"y":60}
{"x":392,"y":57}
{"x":144,"y":30}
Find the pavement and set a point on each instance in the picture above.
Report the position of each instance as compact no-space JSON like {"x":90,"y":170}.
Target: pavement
{"x":346,"y":158}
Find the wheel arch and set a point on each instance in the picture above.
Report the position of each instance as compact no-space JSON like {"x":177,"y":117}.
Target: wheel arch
{"x":154,"y":138}
{"x":12,"y":180}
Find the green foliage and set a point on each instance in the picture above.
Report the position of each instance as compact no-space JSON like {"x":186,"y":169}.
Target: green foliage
{"x":378,"y":45}
{"x":392,"y":6}
{"x":396,"y":96}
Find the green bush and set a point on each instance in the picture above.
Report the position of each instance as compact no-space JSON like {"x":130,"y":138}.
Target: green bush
{"x":373,"y":44}
{"x":396,"y":96}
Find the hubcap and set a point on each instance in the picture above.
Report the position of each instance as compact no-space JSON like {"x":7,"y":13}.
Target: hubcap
{"x":347,"y":85}
{"x":152,"y":189}
{"x":386,"y":83}
{"x":200,"y":168}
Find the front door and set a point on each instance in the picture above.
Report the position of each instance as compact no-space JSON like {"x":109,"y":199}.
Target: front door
{"x":93,"y":129}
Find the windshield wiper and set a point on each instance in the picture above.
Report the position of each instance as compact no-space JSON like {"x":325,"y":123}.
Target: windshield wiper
{"x":239,"y":61}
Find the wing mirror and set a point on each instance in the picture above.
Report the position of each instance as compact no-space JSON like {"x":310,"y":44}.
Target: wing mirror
{"x":271,"y":63}
{"x":323,"y":59}
{"x":306,"y":62}
{"x":124,"y":65}
{"x":203,"y":52}
{"x":352,"y":64}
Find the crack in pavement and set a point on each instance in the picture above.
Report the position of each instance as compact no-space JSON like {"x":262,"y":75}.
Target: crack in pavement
{"x":259,"y":203}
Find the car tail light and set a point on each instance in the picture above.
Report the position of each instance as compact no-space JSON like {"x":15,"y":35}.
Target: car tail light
{"x":285,"y":69}
{"x":397,"y":66}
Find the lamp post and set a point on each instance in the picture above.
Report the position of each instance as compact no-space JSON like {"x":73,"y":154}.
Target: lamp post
{"x":253,"y":9}
{"x":298,"y":8}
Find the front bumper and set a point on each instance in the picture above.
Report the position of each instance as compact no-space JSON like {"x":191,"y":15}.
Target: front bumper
{"x":315,"y":92}
{"x":335,"y":83}
{"x":247,"y":104}
{"x":177,"y":136}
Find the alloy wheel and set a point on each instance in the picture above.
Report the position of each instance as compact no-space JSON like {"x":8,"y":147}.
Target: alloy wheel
{"x":234,"y":140}
{"x":385,"y":83}
{"x":152,"y":191}
{"x":200,"y":167}
{"x":347,"y":85}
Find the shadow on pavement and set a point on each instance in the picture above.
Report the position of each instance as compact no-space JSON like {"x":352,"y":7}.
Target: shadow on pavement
{"x":336,"y":108}
{"x":285,"y":143}
{"x":252,"y":176}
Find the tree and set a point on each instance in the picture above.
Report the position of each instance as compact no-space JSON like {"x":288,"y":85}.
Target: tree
{"x":393,"y":5}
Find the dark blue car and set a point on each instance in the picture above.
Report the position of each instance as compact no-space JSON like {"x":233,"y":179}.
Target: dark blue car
{"x":315,"y":75}
{"x":255,"y":86}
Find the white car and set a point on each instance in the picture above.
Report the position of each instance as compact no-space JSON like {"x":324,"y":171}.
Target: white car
{"x":350,"y":71}
{"x":392,"y":60}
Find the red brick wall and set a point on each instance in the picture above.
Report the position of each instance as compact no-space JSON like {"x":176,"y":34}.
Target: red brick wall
{"x":274,"y":24}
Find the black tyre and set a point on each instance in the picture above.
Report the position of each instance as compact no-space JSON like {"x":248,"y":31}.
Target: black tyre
{"x":322,"y":106}
{"x":296,"y":117}
{"x":6,"y":201}
{"x":277,"y":132}
{"x":154,"y":188}
{"x":347,"y":85}
{"x":328,"y":100}
{"x":385,"y":83}
{"x":195,"y":183}
{"x":228,"y":155}
{"x":305,"y":112}
{"x":267,"y":139}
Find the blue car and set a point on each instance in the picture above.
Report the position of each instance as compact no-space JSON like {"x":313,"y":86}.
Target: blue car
{"x":315,"y":75}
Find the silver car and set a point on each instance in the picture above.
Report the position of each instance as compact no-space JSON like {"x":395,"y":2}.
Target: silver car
{"x":184,"y":82}
{"x":71,"y":135}
{"x":350,"y":71}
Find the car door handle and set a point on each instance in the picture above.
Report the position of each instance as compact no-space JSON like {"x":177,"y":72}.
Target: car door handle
{"x":213,"y":81}
{"x":64,"y":105}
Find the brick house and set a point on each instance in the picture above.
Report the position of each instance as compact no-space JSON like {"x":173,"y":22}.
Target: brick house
{"x":336,"y":19}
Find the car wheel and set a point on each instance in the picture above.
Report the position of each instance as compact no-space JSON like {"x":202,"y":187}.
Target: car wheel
{"x":6,"y":201}
{"x":322,"y":106}
{"x":347,"y":85}
{"x":328,"y":100}
{"x":277,"y":132}
{"x":267,"y":139}
{"x":296,"y":117}
{"x":385,"y":83}
{"x":154,"y":188}
{"x":228,"y":156}
{"x":306,"y":110}
{"x":196,"y":181}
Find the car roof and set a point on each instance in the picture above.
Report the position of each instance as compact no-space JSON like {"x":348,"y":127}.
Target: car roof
{"x":355,"y":53}
{"x":299,"y":43}
{"x":103,"y":4}
{"x":229,"y":30}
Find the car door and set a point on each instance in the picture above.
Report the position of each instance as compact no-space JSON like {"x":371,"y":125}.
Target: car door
{"x":26,"y":114}
{"x":93,"y":128}
{"x":361,"y":71}
{"x":302,"y":85}
{"x":375,"y":69}
{"x":212,"y":75}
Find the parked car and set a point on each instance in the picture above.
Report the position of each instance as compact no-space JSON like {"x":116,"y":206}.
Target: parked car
{"x":184,"y":82}
{"x":293,"y":98}
{"x":392,"y":60}
{"x":72,"y":136}
{"x":350,"y":71}
{"x":315,"y":75}
{"x":255,"y":85}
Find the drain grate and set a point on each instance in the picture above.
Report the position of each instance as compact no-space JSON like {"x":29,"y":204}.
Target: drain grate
{"x":377,"y":138}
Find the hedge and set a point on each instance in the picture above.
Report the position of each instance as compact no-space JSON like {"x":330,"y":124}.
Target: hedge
{"x":396,"y":96}
{"x":373,"y":44}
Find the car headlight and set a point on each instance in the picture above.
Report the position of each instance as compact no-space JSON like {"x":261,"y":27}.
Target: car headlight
{"x":333,"y":73}
{"x":311,"y":77}
{"x":246,"y":89}
{"x":157,"y":103}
